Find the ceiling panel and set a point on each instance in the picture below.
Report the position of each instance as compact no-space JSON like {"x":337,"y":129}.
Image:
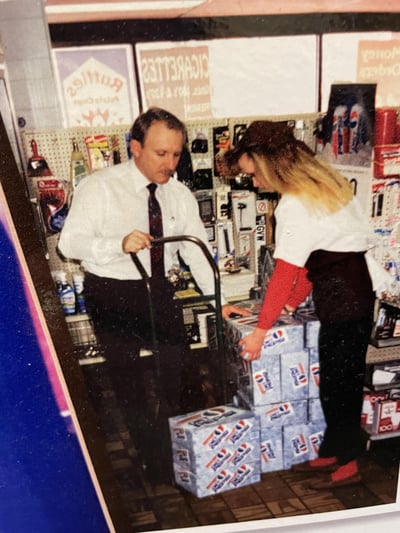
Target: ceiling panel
{"x":59,"y":11}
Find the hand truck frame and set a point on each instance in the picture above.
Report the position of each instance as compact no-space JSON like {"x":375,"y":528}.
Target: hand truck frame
{"x":193,"y":299}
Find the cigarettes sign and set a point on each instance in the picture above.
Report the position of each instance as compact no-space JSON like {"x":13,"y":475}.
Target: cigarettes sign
{"x":176,"y":79}
{"x":379,"y":62}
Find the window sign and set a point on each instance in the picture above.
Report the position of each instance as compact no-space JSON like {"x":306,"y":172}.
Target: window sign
{"x":96,"y":85}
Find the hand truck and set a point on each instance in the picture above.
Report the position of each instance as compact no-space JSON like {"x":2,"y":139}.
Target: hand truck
{"x":193,"y":299}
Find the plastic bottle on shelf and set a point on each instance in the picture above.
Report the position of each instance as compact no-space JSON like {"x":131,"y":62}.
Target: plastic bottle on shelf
{"x":79,"y":167}
{"x":378,"y":248}
{"x":78,"y":280}
{"x":66,"y":293}
{"x":388,"y":262}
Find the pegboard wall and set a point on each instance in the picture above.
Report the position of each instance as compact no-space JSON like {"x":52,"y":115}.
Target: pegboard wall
{"x":205,"y":139}
{"x":56,"y":146}
{"x":304,"y":125}
{"x":382,"y":355}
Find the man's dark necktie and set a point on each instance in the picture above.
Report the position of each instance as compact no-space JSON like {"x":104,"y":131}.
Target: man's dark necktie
{"x":156,"y":231}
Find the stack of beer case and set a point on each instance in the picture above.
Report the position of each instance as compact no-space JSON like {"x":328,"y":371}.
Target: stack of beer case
{"x":282,"y":387}
{"x":216,"y":449}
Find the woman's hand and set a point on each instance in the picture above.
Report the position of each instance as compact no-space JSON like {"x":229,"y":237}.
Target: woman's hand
{"x":251,"y":344}
{"x":227,"y":310}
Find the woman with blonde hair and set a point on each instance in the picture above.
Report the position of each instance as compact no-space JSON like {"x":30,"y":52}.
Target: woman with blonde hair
{"x":321,"y":238}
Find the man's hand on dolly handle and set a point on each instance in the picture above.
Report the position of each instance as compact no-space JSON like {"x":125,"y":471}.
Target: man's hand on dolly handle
{"x":136,"y":241}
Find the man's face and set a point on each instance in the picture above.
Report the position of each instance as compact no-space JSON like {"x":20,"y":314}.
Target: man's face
{"x":158,"y":158}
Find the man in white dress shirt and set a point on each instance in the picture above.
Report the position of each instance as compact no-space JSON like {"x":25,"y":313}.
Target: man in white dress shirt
{"x":108,"y":220}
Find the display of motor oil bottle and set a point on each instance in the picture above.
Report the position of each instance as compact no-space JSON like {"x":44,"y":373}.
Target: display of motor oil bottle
{"x":66,"y":293}
{"x":77,"y":280}
{"x":79,"y":167}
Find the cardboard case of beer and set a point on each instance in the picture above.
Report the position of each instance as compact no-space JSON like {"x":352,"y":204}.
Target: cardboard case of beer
{"x":280,"y":414}
{"x":311,"y":326}
{"x":315,"y":412}
{"x":210,"y":429}
{"x":258,"y":383}
{"x":286,"y":335}
{"x":313,"y":373}
{"x":206,"y":465}
{"x":301,"y":442}
{"x":294,"y":375}
{"x":271,"y":448}
{"x":216,"y":449}
{"x":222,"y":481}
{"x":267,"y":381}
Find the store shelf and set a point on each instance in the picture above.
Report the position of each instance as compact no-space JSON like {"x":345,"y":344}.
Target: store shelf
{"x":382,"y":354}
{"x":386,"y":343}
{"x":70,"y":319}
{"x":381,"y":436}
{"x":379,"y":388}
{"x":91,"y":360}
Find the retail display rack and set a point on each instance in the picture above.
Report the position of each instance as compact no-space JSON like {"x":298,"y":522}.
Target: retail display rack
{"x":205,"y":139}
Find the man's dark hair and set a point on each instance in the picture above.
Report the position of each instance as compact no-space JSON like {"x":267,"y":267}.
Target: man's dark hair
{"x":155,"y":114}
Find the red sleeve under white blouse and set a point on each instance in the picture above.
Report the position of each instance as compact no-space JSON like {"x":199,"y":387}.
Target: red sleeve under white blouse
{"x":288,"y":285}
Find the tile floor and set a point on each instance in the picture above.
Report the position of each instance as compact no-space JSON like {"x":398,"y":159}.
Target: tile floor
{"x":279,"y":494}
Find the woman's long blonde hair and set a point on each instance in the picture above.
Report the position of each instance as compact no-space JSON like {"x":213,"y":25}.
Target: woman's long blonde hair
{"x":289,"y":166}
{"x":320,"y":186}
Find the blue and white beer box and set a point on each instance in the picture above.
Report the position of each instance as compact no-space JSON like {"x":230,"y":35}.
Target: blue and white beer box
{"x":315,"y":412}
{"x":294,"y":375}
{"x":311,"y":326}
{"x":316,"y":432}
{"x":301,"y":442}
{"x":286,"y":335}
{"x":313,"y":375}
{"x":211,"y":429}
{"x":207,"y":464}
{"x":258,"y":383}
{"x":271,"y":449}
{"x":282,"y":414}
{"x":222,"y":481}
{"x":296,"y":448}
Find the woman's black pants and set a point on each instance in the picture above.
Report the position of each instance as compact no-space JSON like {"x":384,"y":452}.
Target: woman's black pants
{"x":342,"y":354}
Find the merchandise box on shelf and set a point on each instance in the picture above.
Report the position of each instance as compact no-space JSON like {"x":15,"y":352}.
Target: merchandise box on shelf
{"x":370,"y":399}
{"x":386,"y":417}
{"x":386,"y":160}
{"x":383,"y":375}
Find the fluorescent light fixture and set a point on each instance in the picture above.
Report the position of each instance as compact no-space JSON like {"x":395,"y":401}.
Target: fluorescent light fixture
{"x":121,"y":7}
